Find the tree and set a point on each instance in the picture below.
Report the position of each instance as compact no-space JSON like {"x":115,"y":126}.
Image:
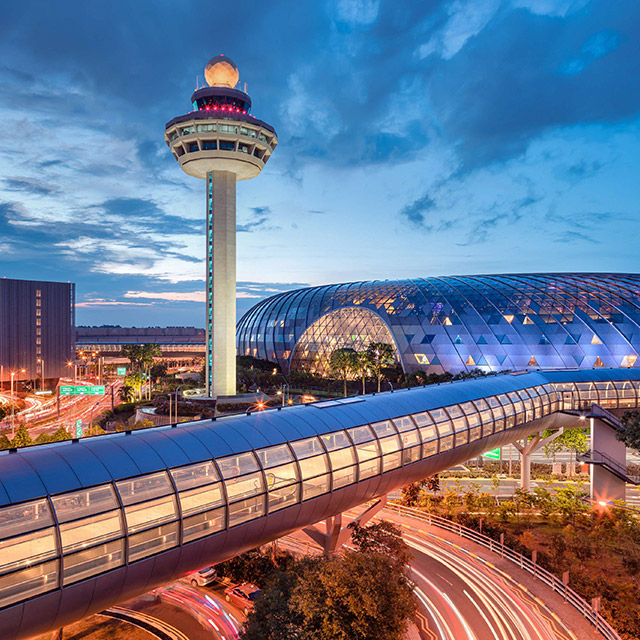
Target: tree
{"x":141,"y":356}
{"x":60,"y":435}
{"x":357,"y":596}
{"x":22,"y":437}
{"x":630,"y":434}
{"x":411,"y":493}
{"x":135,"y":382}
{"x":381,"y":537}
{"x":5,"y":443}
{"x":572,"y":440}
{"x":344,"y":362}
{"x":433,"y":483}
{"x":364,"y":367}
{"x":127,"y":393}
{"x":381,"y":355}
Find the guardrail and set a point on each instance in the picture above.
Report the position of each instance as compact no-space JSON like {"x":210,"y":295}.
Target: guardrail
{"x":529,"y":565}
{"x":159,"y":628}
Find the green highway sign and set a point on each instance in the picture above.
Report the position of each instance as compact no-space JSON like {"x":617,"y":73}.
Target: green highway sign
{"x":122,"y":371}
{"x":494,"y":454}
{"x":81,"y":390}
{"x":78,"y":428}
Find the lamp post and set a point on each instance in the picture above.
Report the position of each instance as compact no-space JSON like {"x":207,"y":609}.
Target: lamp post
{"x":91,"y":417}
{"x":13,"y":431}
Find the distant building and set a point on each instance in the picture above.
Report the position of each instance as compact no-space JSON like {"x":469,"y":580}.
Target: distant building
{"x":174,"y":342}
{"x":456,"y":323}
{"x":37,"y":329}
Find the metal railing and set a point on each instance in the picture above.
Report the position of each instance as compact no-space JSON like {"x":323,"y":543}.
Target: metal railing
{"x":555,"y":583}
{"x":611,"y":464}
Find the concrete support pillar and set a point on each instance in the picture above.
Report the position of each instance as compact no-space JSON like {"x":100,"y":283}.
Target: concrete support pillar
{"x":335,"y":535}
{"x":221,"y":284}
{"x":526,"y":449}
{"x":610,"y":453}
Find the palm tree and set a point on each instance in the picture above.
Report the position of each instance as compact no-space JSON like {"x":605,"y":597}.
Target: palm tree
{"x":365,"y":365}
{"x":344,"y":362}
{"x":381,"y":355}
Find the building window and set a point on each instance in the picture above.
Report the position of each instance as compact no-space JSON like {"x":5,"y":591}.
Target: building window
{"x":226,"y":145}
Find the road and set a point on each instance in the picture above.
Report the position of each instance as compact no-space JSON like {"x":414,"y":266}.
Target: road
{"x":40,"y":414}
{"x":468,"y":595}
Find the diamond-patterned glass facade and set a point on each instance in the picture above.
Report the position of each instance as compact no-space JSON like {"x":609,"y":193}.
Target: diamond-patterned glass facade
{"x":348,"y":327}
{"x":459,"y":323}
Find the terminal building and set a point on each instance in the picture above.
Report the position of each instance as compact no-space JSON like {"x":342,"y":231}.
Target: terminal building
{"x":37,"y":330}
{"x":177,"y":343}
{"x":456,"y":323}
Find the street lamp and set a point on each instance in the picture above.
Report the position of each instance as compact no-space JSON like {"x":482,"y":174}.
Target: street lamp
{"x":13,"y":430}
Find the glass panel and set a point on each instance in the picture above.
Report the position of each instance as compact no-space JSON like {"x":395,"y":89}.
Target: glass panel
{"x":195,"y":475}
{"x":384,"y":428}
{"x":148,"y":514}
{"x":81,"y":504}
{"x":410,"y":438}
{"x":626,"y":394}
{"x":248,"y":509}
{"x":90,"y":531}
{"x":367,"y":457}
{"x":281,"y":476}
{"x":343,"y":477}
{"x":153,"y":541}
{"x":201,"y":498}
{"x":313,"y":466}
{"x":203,"y":524}
{"x":90,"y":562}
{"x":608,"y":397}
{"x":410,"y":455}
{"x":454,"y":411}
{"x":144,"y":488}
{"x":361,"y":434}
{"x":391,"y":461}
{"x":245,"y":486}
{"x":24,"y":517}
{"x":315,"y":486}
{"x":517,"y":403}
{"x":28,"y":549}
{"x":283,"y":497}
{"x":404,"y":424}
{"x":274,"y":456}
{"x":307,"y":448}
{"x":233,"y":466}
{"x":28,"y":583}
{"x":422,"y":419}
{"x":342,"y":458}
{"x":389,"y":445}
{"x":336,"y":440}
{"x":498,"y":413}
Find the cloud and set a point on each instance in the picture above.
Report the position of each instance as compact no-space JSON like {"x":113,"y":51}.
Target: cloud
{"x":171,"y":296}
{"x":416,"y":210}
{"x":572,"y":237}
{"x":29,"y":185}
{"x":259,"y":220}
{"x":87,"y":304}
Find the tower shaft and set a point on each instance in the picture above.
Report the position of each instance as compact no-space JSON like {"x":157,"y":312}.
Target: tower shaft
{"x":221,"y":284}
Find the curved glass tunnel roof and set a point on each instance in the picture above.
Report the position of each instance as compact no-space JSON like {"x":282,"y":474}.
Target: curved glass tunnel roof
{"x":456,"y":323}
{"x":92,"y":522}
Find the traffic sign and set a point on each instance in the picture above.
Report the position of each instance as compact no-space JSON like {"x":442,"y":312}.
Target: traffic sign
{"x":81,"y":390}
{"x":494,"y":454}
{"x":78,"y":428}
{"x":122,"y":371}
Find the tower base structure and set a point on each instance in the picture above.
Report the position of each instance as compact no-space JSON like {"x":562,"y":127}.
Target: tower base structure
{"x":220,"y":368}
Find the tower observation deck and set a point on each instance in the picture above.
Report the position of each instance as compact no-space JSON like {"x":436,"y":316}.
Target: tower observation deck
{"x":220,"y":142}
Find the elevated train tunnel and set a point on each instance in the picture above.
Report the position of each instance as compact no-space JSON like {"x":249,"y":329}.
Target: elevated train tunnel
{"x":89,"y":523}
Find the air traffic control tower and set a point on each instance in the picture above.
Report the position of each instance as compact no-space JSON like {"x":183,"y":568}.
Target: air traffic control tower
{"x":221,"y":142}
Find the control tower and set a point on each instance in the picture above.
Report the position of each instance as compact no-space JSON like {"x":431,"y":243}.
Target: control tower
{"x":221,"y":142}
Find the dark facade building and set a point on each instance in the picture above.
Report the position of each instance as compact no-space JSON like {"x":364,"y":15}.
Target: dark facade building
{"x":174,"y":342}
{"x":37,"y":329}
{"x":456,"y":323}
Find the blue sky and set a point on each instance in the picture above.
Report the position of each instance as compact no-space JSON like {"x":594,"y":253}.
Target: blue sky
{"x":416,"y":138}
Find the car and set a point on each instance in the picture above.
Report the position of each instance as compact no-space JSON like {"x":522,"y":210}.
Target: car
{"x":203,"y":577}
{"x":242,"y":596}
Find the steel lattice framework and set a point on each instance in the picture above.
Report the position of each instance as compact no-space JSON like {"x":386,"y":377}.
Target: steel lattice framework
{"x":458,"y":323}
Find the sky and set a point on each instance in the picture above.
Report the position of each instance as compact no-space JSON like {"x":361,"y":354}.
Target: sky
{"x":416,"y":139}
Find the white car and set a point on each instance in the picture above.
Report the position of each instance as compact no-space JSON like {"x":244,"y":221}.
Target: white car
{"x":203,"y":577}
